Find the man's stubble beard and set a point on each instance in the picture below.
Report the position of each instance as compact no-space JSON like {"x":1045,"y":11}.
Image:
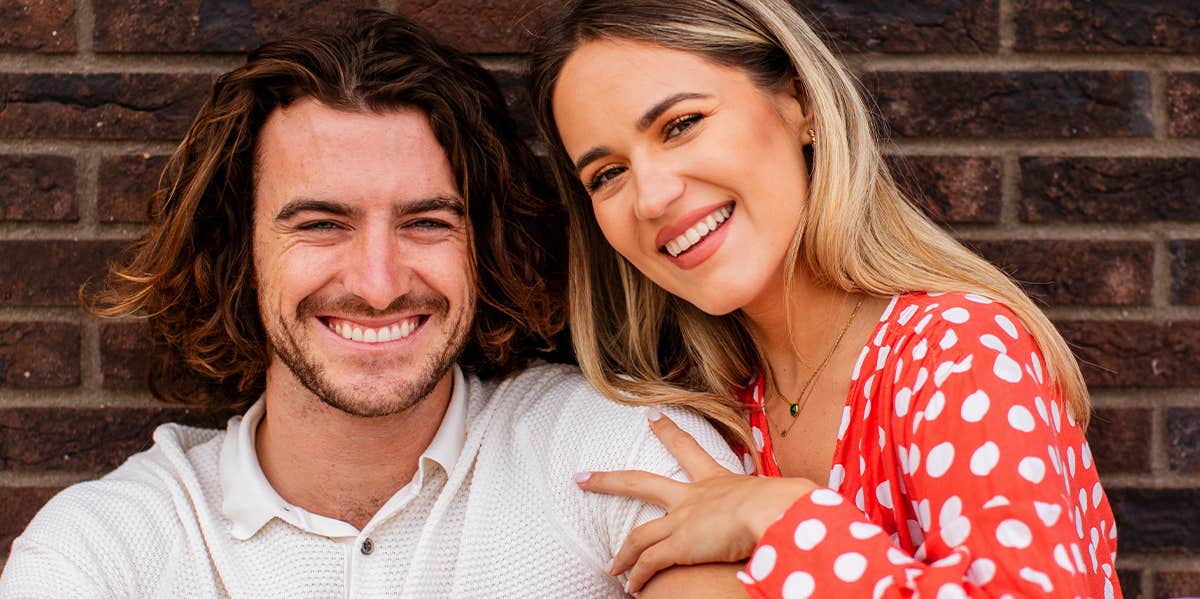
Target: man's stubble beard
{"x":394,"y":400}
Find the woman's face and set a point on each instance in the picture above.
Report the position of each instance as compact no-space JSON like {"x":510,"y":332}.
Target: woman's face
{"x":696,"y":174}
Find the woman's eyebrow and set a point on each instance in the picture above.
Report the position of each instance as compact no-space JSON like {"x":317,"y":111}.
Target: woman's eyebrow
{"x":643,"y":123}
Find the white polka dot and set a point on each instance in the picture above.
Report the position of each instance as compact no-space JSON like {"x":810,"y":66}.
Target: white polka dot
{"x":881,"y":587}
{"x":744,"y":578}
{"x":763,"y":562}
{"x":859,"y":500}
{"x":919,"y":350}
{"x":1054,"y":460}
{"x":845,"y":422}
{"x":864,"y":530}
{"x":1047,"y":512}
{"x":951,"y":590}
{"x":748,"y":464}
{"x":882,"y":356}
{"x":920,"y":328}
{"x":858,"y":365}
{"x":914,"y":458}
{"x":758,"y":437}
{"x":849,"y":567}
{"x":1040,"y":404}
{"x":887,"y":312}
{"x":1056,"y":415}
{"x":923,"y":515}
{"x":993,"y":342}
{"x":1037,"y":577}
{"x":948,"y":340}
{"x":825,"y":497}
{"x":956,"y":315}
{"x":867,"y":386}
{"x":914,"y":532}
{"x":901,"y":401}
{"x":1007,"y":325}
{"x":1108,"y":589}
{"x":1078,"y":525}
{"x":934,"y":407}
{"x":899,"y":370}
{"x":950,"y":560}
{"x":1032,"y":469}
{"x":975,"y":406}
{"x":979,"y":299}
{"x":1085,"y":455}
{"x":883,"y":493}
{"x":1007,"y":369}
{"x":1013,"y":533}
{"x":942,"y":372}
{"x":1078,"y":558}
{"x":898,"y":557}
{"x":1097,"y":495}
{"x":907,"y":314}
{"x":880,"y":335}
{"x":956,"y":531}
{"x":1037,"y":366}
{"x":939,"y":459}
{"x":922,"y":377}
{"x":981,"y":571}
{"x":837,"y":474}
{"x":809,"y":534}
{"x":798,"y":585}
{"x":985,"y":459}
{"x":1020,"y":419}
{"x":1063,"y":559}
{"x":997,"y":501}
{"x":1071,"y":461}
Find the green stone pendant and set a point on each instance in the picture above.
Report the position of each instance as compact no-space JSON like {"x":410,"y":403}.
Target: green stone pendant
{"x":794,"y":409}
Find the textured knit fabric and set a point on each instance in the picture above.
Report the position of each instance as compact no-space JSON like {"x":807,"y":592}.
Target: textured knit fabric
{"x":958,"y":472}
{"x":507,"y":520}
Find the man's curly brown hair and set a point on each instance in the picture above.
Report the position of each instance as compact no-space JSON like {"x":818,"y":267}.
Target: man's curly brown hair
{"x":191,"y":277}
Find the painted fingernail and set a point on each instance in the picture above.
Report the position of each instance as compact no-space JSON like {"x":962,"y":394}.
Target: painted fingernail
{"x":581,"y":477}
{"x":653,"y":414}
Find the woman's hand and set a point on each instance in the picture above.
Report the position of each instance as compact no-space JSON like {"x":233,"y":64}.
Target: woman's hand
{"x":718,"y":517}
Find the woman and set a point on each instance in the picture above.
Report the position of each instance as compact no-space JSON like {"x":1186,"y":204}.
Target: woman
{"x":732,"y":220}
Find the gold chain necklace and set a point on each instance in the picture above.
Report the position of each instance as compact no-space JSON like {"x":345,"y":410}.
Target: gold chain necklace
{"x":796,"y":407}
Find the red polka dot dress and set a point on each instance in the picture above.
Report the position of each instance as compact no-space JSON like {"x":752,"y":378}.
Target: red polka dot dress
{"x":958,"y":472}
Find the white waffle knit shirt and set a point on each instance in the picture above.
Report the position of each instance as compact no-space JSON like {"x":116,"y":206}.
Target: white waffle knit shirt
{"x":506,"y":519}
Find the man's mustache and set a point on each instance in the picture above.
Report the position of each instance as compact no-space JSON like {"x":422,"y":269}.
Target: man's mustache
{"x":352,"y":305}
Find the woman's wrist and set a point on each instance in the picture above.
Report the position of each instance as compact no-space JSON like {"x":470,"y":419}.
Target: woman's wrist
{"x":772,"y":500}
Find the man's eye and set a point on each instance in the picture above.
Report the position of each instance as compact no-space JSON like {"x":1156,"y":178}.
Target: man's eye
{"x":681,"y":124}
{"x":429,"y":223}
{"x":319,"y":225}
{"x":601,"y":178}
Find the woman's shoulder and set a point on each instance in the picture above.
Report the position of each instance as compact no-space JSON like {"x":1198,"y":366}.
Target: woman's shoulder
{"x":922,"y":314}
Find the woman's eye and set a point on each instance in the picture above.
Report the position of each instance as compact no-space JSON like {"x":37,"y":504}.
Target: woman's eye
{"x":604,"y":177}
{"x":680,"y":125}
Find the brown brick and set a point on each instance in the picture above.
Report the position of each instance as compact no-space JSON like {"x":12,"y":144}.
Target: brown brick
{"x":124,"y":349}
{"x":481,"y":26}
{"x":1183,"y":104}
{"x":49,"y":273}
{"x":39,"y":355}
{"x":876,"y":26}
{"x":1110,"y":189}
{"x":1185,"y":272}
{"x":46,"y":26}
{"x":1136,"y":353}
{"x":1108,"y":25}
{"x":127,"y":185}
{"x":1076,"y":273}
{"x":37,"y":188}
{"x":1120,"y":439}
{"x":1177,"y":583}
{"x":139,"y":106}
{"x":1131,"y":581}
{"x":84,"y":439}
{"x":20,"y":505}
{"x":1069,"y":104}
{"x":210,"y":25}
{"x":1183,"y":439}
{"x":516,"y":96}
{"x":1157,"y":520}
{"x":952,"y":189}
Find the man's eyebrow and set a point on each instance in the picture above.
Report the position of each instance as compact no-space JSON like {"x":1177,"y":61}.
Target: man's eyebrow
{"x":451,"y":204}
{"x":299,"y":205}
{"x":643,"y":123}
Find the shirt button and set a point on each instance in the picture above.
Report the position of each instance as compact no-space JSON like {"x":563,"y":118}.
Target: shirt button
{"x":367,"y":547}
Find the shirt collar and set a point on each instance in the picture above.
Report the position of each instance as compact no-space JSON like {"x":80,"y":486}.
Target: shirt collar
{"x":249,"y":501}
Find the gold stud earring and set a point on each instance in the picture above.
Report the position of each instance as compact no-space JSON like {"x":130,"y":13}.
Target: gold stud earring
{"x":812,"y":134}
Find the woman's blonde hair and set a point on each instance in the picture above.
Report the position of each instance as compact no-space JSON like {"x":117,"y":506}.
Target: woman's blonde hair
{"x":639,"y":344}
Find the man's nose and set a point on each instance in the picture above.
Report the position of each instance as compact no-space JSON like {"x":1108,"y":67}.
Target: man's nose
{"x":657,"y":185}
{"x":377,"y":270}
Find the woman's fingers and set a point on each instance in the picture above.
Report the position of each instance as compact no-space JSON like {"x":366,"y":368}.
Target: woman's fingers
{"x":638,"y":540}
{"x":658,"y":557}
{"x":695,"y":461}
{"x":650,"y":488}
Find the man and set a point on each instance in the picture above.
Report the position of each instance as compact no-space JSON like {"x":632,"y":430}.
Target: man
{"x":348,"y":218}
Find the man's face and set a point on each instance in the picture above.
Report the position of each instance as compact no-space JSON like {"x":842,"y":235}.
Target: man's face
{"x":361,"y":256}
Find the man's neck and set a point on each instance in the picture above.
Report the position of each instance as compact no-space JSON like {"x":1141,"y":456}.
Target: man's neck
{"x":339,"y":465}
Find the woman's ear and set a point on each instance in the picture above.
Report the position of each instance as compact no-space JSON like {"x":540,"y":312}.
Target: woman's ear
{"x":796,"y":109}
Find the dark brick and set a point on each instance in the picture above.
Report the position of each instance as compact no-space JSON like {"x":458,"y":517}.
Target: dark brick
{"x":46,"y":26}
{"x":37,"y":188}
{"x":1183,"y":104}
{"x":39,"y":355}
{"x":1183,"y":439}
{"x":1120,"y":439}
{"x":139,"y":106}
{"x":210,"y":25}
{"x":84,"y":439}
{"x":481,"y":26}
{"x":1157,"y":520}
{"x":516,"y":96}
{"x":1110,"y":189}
{"x":49,"y":273}
{"x":1131,"y":582}
{"x":127,"y":185}
{"x":1136,"y":353}
{"x":952,"y":189}
{"x":1185,"y":272}
{"x":920,"y":26}
{"x":1068,"y":104}
{"x":1177,"y":584}
{"x":20,"y":505}
{"x":124,"y":349}
{"x":1108,"y":25}
{"x":1076,"y":273}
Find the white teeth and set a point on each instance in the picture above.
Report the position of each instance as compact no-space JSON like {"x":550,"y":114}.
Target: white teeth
{"x":380,"y":335}
{"x":346,"y":331}
{"x":394,"y":332}
{"x":698,"y":231}
{"x":358,"y":334}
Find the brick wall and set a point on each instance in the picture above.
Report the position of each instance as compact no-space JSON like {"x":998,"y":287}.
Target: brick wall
{"x":1060,"y":138}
